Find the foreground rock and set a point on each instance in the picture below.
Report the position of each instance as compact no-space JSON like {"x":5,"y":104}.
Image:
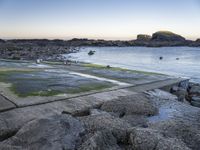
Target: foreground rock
{"x":53,"y":133}
{"x":154,"y":120}
{"x":194,"y":94}
{"x":191,"y":93}
{"x":148,"y":139}
{"x":137,"y":104}
{"x":101,"y":140}
{"x":103,"y":121}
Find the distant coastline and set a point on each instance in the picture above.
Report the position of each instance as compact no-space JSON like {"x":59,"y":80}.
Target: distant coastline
{"x":31,"y":49}
{"x":158,"y":39}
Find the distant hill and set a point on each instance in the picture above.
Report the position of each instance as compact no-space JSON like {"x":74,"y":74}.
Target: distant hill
{"x":158,"y":39}
{"x":167,"y":36}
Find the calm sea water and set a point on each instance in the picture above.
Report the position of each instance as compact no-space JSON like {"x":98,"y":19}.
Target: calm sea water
{"x":146,"y":59}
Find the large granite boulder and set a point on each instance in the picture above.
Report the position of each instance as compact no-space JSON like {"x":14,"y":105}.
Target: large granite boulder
{"x":100,"y":140}
{"x":56,"y":132}
{"x":185,"y":129}
{"x":103,"y":121}
{"x":137,"y":104}
{"x":167,"y":36}
{"x":148,"y":139}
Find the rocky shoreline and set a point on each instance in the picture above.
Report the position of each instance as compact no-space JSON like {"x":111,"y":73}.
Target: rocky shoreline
{"x":25,"y":49}
{"x":150,"y":120}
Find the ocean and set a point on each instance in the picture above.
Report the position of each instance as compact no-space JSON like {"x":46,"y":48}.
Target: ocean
{"x":176,"y":61}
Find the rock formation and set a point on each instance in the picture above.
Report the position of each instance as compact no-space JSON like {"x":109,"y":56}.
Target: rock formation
{"x":167,"y":36}
{"x":143,"y":37}
{"x":154,"y":120}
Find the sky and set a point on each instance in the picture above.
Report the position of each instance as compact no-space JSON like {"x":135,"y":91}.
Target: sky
{"x":98,"y":19}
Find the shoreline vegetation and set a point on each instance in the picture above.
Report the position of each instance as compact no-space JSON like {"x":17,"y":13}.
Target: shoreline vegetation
{"x":32,"y":49}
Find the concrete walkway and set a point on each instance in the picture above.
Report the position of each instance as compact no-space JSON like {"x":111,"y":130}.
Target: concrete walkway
{"x":89,"y":99}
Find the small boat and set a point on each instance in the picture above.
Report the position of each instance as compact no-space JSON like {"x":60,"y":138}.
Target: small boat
{"x":161,"y":58}
{"x":91,"y":53}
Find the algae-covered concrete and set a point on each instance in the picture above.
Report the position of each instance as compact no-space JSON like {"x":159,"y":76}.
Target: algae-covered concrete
{"x":27,"y":83}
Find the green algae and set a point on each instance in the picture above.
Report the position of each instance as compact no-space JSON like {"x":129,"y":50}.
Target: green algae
{"x":120,"y":69}
{"x":89,"y":87}
{"x":24,"y":83}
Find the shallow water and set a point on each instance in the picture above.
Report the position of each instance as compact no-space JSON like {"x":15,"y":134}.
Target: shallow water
{"x":146,"y":59}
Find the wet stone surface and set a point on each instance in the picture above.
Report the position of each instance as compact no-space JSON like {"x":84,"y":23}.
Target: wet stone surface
{"x":50,"y":82}
{"x":21,"y":81}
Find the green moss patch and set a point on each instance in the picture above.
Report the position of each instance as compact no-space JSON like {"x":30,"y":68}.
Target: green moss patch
{"x":89,"y":87}
{"x":26,"y":83}
{"x":120,"y":69}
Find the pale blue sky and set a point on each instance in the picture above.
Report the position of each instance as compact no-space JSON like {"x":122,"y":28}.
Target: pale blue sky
{"x":108,"y":19}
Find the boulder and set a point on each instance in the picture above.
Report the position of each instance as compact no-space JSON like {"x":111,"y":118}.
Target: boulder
{"x":136,"y":120}
{"x":106,"y":122}
{"x":180,"y":92}
{"x":148,"y":139}
{"x":195,"y":101}
{"x":184,"y":84}
{"x":56,"y":132}
{"x":101,"y":140}
{"x":185,"y":128}
{"x":167,"y":36}
{"x":195,"y":90}
{"x":137,"y":104}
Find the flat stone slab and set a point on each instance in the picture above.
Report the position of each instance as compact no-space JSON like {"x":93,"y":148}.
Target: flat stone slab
{"x":5,"y":104}
{"x":36,"y":84}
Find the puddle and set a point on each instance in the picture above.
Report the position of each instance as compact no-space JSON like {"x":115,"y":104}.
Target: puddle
{"x":164,"y":114}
